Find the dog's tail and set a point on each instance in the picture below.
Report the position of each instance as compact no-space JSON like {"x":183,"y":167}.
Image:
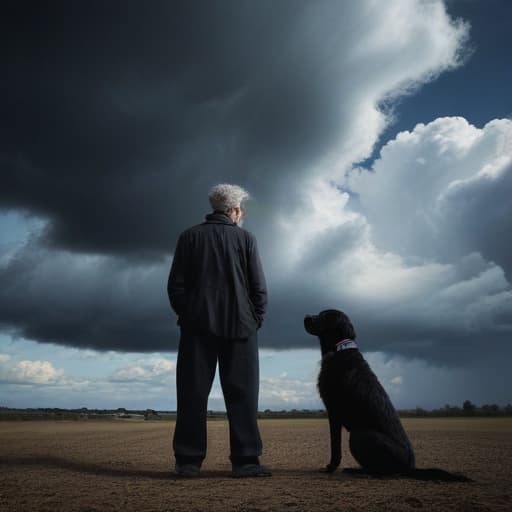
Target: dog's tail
{"x":436,"y":475}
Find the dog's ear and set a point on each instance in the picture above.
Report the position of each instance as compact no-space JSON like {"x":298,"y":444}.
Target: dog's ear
{"x":330,"y":319}
{"x":335,"y":320}
{"x":346,"y":327}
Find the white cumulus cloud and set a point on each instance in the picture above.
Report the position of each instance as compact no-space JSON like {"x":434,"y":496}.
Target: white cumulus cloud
{"x":146,"y":370}
{"x":285,"y":392}
{"x":414,"y":247}
{"x":30,"y":372}
{"x":440,"y":191}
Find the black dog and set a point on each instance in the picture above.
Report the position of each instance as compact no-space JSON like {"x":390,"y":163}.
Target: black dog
{"x":355,"y":399}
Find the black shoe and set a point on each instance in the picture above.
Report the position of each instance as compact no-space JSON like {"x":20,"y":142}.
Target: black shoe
{"x":250,"y":471}
{"x":187,"y":470}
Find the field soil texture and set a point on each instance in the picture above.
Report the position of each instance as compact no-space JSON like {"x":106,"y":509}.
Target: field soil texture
{"x":127,"y":465}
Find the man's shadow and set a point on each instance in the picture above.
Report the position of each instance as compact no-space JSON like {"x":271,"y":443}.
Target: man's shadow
{"x":97,"y":469}
{"x":85,"y":467}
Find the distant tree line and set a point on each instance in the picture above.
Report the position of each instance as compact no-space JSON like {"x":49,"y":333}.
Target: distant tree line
{"x":294,"y":413}
{"x":81,"y":414}
{"x":468,"y":409}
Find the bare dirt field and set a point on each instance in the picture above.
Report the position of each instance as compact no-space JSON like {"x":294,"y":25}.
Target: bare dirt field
{"x":127,"y":465}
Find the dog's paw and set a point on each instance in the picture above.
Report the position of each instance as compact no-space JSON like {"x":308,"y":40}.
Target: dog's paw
{"x":330,"y":468}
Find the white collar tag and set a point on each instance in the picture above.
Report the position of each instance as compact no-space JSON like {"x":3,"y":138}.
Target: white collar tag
{"x":345,"y":344}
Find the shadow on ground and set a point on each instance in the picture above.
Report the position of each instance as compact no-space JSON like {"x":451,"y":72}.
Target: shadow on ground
{"x":97,"y":469}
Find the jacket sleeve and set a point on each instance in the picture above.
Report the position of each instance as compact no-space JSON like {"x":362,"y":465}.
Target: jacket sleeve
{"x":176,"y":283}
{"x":257,"y":283}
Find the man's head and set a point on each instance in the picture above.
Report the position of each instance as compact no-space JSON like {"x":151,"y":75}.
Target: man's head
{"x":228,"y":199}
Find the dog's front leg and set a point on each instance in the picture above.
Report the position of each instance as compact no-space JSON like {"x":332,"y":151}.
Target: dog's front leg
{"x":335,"y":431}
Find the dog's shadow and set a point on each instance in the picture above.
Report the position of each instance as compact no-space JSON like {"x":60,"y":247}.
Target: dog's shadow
{"x":425,"y":475}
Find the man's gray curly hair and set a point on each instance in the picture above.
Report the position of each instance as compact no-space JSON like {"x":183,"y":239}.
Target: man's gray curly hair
{"x":223,"y":197}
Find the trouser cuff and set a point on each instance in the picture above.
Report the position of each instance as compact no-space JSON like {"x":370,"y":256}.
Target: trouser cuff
{"x":240,"y":461}
{"x":189,"y":459}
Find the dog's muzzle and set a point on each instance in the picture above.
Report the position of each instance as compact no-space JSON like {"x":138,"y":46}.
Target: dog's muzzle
{"x":311,"y":324}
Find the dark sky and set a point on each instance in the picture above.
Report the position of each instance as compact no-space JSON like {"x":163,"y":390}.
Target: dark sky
{"x":112,"y":111}
{"x":118,"y":116}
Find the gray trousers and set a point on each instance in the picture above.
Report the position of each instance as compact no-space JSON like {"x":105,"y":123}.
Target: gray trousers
{"x":239,"y":377}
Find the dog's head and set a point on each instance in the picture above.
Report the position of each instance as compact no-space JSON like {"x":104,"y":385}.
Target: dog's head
{"x":331,"y":326}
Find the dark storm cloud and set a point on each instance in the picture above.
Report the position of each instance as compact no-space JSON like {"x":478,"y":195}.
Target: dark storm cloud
{"x":110,"y":303}
{"x":86,"y":302}
{"x":466,"y":202}
{"x":115,"y":117}
{"x":115,"y":121}
{"x":427,"y":326}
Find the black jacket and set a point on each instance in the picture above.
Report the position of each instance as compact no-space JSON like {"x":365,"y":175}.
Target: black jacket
{"x":216,"y":284}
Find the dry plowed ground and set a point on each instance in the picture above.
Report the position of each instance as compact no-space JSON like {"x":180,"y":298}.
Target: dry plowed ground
{"x":126,"y":465}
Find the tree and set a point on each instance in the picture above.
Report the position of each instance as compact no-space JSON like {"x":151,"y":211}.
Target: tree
{"x":490,"y":409}
{"x":468,"y":408}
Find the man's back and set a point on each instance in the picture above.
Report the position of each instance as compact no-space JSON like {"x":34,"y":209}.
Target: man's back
{"x":216,"y":284}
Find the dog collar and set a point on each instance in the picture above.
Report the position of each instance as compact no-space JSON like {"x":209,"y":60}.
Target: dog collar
{"x":341,"y":345}
{"x":345,"y":344}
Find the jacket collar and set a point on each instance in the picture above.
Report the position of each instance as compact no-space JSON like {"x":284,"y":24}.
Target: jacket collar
{"x":218,"y":218}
